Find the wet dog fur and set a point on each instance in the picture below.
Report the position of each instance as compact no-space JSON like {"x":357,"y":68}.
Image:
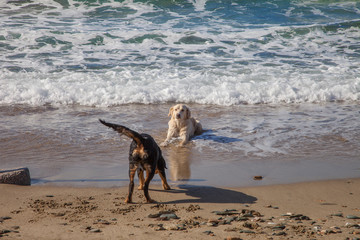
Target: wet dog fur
{"x":182,"y":125}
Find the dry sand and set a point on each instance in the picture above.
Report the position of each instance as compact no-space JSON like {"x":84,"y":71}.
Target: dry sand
{"x":312,"y":210}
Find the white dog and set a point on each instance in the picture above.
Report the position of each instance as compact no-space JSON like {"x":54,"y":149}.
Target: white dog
{"x":182,"y":125}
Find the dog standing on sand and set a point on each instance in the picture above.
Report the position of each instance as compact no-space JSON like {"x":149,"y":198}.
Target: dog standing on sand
{"x":182,"y":125}
{"x":144,"y":155}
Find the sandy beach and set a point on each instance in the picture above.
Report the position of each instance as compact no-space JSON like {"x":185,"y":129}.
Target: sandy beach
{"x":310,"y":210}
{"x":274,"y":84}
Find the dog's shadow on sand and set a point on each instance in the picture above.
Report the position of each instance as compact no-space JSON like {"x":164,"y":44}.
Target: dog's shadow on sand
{"x":210,"y":135}
{"x":208,"y":194}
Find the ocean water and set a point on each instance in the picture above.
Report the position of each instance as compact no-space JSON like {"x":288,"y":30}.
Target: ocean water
{"x":276,"y":85}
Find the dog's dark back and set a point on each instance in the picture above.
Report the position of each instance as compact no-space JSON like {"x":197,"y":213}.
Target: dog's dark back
{"x":144,"y":155}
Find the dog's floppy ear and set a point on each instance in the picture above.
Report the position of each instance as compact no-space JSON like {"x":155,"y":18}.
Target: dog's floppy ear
{"x":188,"y":113}
{"x":171,"y":111}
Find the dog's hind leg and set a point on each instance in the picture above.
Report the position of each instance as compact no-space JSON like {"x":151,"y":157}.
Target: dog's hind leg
{"x":163,"y":180}
{"x":161,"y":170}
{"x":132,"y":171}
{"x":141,"y":179}
{"x":150,"y":172}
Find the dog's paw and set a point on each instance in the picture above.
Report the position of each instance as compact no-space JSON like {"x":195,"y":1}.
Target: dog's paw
{"x":150,"y":201}
{"x":164,"y":144}
{"x":166,"y":187}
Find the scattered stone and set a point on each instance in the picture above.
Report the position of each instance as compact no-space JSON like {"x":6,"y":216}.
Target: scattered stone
{"x":156,"y":215}
{"x":270,"y":206}
{"x":226,"y":212}
{"x":298,"y":217}
{"x":19,"y":176}
{"x":258,"y":177}
{"x":4,"y":218}
{"x":168,"y":216}
{"x":176,"y":227}
{"x":192,"y":208}
{"x":229,"y":219}
{"x":212,"y":223}
{"x":233,"y":238}
{"x":355,"y":232}
{"x":160,"y":228}
{"x":164,"y":215}
{"x":4,"y":231}
{"x":242,"y":218}
{"x":250,"y":213}
{"x":95,"y":230}
{"x":251,"y":225}
{"x":87,"y":228}
{"x":247,"y":231}
{"x":352,"y":217}
{"x":337,"y":215}
{"x":173,"y":227}
{"x":324,"y":232}
{"x":335,"y":229}
{"x":100,"y":221}
{"x":327,"y":204}
{"x":279,"y":234}
{"x":279,"y":227}
{"x":317,"y":228}
{"x":49,"y":196}
{"x":210,"y":233}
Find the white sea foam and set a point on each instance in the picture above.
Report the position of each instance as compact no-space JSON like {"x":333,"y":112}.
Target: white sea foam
{"x":159,"y":86}
{"x":77,"y":54}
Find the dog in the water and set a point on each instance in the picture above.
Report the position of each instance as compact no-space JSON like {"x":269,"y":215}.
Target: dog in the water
{"x":182,"y":125}
{"x":144,"y":155}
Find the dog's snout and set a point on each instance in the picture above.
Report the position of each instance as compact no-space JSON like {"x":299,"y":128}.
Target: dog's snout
{"x":178,"y":115}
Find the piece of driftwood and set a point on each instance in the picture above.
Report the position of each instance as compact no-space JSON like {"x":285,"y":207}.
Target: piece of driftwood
{"x":19,"y":176}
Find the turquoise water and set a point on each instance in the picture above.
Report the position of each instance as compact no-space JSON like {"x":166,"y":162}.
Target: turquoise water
{"x":107,"y":53}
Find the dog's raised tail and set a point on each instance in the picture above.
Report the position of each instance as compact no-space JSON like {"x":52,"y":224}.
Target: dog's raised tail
{"x":126,"y":131}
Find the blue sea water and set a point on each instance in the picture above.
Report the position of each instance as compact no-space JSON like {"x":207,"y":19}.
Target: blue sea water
{"x":275,"y":83}
{"x":106,"y":53}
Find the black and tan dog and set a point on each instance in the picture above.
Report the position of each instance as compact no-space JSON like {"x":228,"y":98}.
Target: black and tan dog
{"x":144,"y":155}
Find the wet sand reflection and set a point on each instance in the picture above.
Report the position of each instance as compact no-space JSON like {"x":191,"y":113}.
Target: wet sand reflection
{"x":179,"y":159}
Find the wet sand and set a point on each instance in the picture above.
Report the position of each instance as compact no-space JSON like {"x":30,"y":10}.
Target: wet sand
{"x":67,"y":146}
{"x":311,"y":210}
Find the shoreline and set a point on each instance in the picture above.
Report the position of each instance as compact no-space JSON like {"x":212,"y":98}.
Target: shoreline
{"x":320,"y":209}
{"x":282,"y":143}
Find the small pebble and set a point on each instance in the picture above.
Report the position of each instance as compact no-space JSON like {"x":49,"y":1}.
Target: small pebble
{"x":258,"y":177}
{"x":337,"y":215}
{"x":233,"y":238}
{"x":208,"y":232}
{"x":247,"y":231}
{"x":4,"y":231}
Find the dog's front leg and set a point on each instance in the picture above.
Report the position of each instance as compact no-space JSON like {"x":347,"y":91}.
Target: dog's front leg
{"x":132,"y":172}
{"x":185,"y":137}
{"x":170,"y":134}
